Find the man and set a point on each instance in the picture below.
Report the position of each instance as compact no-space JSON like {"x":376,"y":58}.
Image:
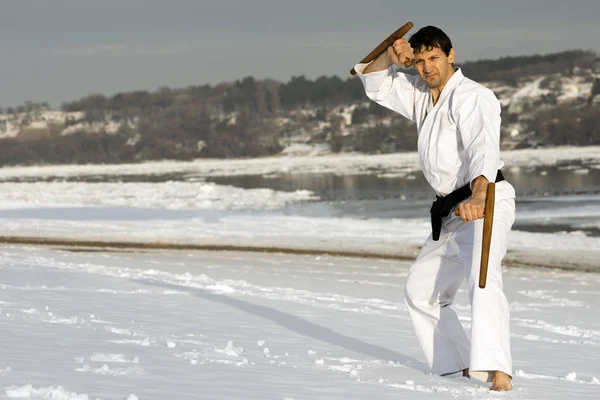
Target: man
{"x":458,"y":121}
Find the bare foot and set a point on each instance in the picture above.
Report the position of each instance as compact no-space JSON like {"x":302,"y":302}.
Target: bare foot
{"x":501,"y":382}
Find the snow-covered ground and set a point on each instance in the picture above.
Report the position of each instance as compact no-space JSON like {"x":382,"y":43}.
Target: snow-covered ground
{"x":80,"y":323}
{"x":222,"y":325}
{"x":272,"y":229}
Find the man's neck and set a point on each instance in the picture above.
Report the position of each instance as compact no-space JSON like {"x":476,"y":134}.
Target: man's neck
{"x":436,"y":92}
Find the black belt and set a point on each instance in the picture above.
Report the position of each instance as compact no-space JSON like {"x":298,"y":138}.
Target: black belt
{"x":442,"y":206}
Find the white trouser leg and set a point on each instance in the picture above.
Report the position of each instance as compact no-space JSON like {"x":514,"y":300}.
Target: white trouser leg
{"x":431,"y":285}
{"x":490,"y":315}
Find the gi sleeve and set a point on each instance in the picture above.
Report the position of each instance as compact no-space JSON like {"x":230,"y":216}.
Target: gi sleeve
{"x":478,"y":120}
{"x":392,"y":89}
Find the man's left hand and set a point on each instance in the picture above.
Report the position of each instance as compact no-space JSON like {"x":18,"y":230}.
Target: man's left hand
{"x":473,"y":208}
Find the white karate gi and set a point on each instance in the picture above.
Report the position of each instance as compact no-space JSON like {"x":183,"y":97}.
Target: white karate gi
{"x":458,"y":141}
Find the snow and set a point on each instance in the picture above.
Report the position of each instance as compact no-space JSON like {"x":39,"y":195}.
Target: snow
{"x":573,"y":88}
{"x":110,"y":127}
{"x":530,"y":90}
{"x":400,"y":238}
{"x":342,"y":164}
{"x":288,"y":327}
{"x":167,"y":195}
{"x":298,"y":149}
{"x":84,"y":322}
{"x":566,"y":88}
{"x":12,"y":124}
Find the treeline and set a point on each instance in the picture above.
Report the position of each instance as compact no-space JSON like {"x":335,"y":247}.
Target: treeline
{"x":510,"y":69}
{"x":568,"y":126}
{"x":267,"y":97}
{"x":250,"y":117}
{"x":259,"y":98}
{"x":27,"y":107}
{"x":73,"y":149}
{"x":226,"y":120}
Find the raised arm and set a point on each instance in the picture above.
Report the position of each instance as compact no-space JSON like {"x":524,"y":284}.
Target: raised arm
{"x":387,"y":87}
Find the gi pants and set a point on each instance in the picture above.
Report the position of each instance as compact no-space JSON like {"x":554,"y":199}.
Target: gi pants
{"x":436,"y":276}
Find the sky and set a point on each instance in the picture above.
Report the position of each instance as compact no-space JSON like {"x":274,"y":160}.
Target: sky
{"x":61,"y":50}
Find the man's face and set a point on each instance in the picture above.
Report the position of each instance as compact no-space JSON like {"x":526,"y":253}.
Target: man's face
{"x":434,"y":66}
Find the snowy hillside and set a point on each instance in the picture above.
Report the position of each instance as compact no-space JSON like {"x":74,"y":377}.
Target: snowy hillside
{"x":519,"y":99}
{"x":301,"y":117}
{"x":47,"y":123}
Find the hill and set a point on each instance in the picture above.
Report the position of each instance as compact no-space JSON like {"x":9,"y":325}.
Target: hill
{"x":547,"y":100}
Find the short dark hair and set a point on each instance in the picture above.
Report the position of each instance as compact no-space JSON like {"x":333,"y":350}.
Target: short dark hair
{"x":430,"y":37}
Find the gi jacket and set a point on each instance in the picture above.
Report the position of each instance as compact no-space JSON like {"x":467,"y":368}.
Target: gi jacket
{"x":459,"y":137}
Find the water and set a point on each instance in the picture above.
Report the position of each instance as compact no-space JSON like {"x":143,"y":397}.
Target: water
{"x":549,"y":199}
{"x":563,"y":198}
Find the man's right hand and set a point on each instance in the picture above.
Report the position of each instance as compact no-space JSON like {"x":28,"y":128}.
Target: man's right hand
{"x":400,"y":51}
{"x":397,"y":53}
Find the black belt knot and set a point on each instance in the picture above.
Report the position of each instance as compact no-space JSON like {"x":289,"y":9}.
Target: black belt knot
{"x":442,"y":205}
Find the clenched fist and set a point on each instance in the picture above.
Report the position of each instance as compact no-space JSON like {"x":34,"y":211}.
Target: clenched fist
{"x":400,"y":51}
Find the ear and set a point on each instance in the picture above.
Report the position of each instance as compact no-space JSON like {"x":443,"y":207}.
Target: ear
{"x":451,"y":56}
